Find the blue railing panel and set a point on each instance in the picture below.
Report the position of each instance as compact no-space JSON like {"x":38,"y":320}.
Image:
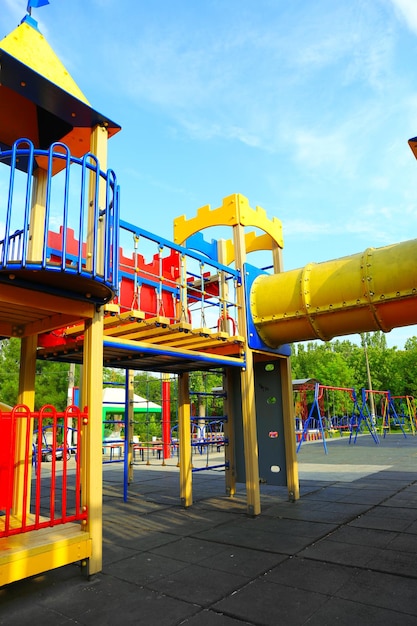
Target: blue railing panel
{"x":65,"y":197}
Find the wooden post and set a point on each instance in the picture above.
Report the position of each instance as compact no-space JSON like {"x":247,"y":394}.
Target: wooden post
{"x":37,"y":226}
{"x":287,"y":405}
{"x":184,"y":433}
{"x":26,"y":395}
{"x":289,"y":429}
{"x":92,"y":453}
{"x":98,"y":147}
{"x":247,"y":379}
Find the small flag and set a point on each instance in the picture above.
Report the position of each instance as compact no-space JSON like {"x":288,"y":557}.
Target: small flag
{"x":35,"y":4}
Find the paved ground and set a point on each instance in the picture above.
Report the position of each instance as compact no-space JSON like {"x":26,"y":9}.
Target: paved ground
{"x":345,"y":553}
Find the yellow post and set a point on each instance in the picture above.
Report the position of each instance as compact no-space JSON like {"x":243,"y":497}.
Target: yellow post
{"x":411,"y":413}
{"x":184,"y":433}
{"x":98,"y":147}
{"x":247,"y":380}
{"x":291,"y":462}
{"x":223,"y":287}
{"x":289,"y":430}
{"x":26,"y":395}
{"x":92,"y":455}
{"x":37,"y":216}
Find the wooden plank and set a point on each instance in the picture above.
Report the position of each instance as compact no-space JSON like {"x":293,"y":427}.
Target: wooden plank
{"x":159,"y":333}
{"x":128,"y":329}
{"x":197,"y":341}
{"x":124,"y":317}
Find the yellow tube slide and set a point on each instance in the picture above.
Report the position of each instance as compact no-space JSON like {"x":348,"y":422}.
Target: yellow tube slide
{"x":374,"y":290}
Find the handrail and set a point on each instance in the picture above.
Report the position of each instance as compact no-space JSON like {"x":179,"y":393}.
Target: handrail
{"x":72,"y":200}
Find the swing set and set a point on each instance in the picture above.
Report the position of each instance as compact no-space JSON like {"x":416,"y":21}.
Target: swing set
{"x":335,"y":410}
{"x":394,"y":413}
{"x":405,"y":407}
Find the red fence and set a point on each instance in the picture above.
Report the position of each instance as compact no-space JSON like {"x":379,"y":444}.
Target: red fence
{"x":40,"y":468}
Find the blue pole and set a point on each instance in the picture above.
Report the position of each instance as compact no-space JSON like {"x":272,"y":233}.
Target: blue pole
{"x":126,"y":446}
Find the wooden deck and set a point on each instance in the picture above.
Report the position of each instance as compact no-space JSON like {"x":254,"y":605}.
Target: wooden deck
{"x":32,"y":553}
{"x":134,"y":342}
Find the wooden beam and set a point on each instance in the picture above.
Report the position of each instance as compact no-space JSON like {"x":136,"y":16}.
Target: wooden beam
{"x":45,"y":302}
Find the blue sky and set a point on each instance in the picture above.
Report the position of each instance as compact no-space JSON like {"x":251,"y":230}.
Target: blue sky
{"x":303,"y":106}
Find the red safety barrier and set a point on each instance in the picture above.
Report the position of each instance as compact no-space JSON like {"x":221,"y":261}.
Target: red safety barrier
{"x":6,"y":460}
{"x":40,"y":471}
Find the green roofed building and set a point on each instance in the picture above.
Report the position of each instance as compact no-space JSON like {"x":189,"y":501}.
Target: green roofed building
{"x":113,"y":410}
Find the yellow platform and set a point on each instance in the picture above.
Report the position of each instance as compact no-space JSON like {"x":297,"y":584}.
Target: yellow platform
{"x":134,"y":342}
{"x":39,"y":551}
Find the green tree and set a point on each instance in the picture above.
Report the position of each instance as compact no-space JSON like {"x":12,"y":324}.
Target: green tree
{"x":406,"y":369}
{"x":325,"y":362}
{"x":51,"y":384}
{"x":113,"y":375}
{"x":9,"y":370}
{"x":342,"y":363}
{"x":201,"y":393}
{"x":381,"y":362}
{"x":148,"y":386}
{"x":51,"y":381}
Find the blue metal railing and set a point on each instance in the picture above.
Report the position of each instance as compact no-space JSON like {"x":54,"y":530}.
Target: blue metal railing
{"x":74,"y":188}
{"x":188,"y":289}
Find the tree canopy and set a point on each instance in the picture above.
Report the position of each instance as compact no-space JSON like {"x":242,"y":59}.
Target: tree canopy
{"x":51,"y":382}
{"x":342,"y":363}
{"x":339,"y":363}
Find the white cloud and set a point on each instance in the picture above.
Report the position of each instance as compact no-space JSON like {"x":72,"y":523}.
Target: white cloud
{"x":318,"y":151}
{"x":407,"y":10}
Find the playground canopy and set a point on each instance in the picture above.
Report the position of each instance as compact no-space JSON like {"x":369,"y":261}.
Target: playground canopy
{"x":304,"y":383}
{"x":114,"y":402}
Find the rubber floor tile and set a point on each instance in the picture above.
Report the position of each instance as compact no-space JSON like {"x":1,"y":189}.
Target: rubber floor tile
{"x":199,"y":585}
{"x":346,"y":613}
{"x":189,"y":550}
{"x":243,"y":561}
{"x":339,"y":552}
{"x":308,"y":575}
{"x":211,"y":618}
{"x":395,"y":593}
{"x":144,"y":568}
{"x":270,"y":604}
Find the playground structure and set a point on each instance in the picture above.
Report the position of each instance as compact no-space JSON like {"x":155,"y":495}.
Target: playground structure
{"x":152,"y":435}
{"x":324,"y":411}
{"x":154,"y":431}
{"x":406,"y":411}
{"x":393,"y":412}
{"x":115,"y":427}
{"x":85,"y":293}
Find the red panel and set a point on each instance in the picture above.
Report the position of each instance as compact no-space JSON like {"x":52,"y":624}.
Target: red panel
{"x":6,"y":460}
{"x":152,"y":300}
{"x":55,"y":242}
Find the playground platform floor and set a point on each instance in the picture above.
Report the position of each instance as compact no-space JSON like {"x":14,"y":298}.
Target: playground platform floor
{"x":345,"y":553}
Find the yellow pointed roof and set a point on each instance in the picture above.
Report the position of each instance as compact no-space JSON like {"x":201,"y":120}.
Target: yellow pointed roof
{"x":27,"y":44}
{"x":38,"y":98}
